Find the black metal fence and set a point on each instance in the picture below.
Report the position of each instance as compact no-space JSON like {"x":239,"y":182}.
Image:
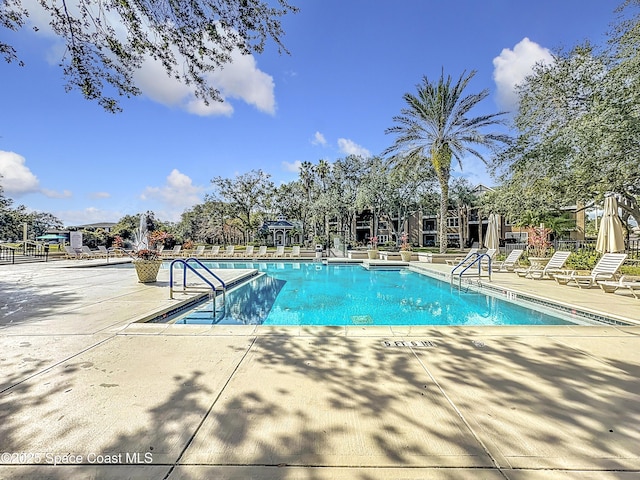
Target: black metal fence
{"x":632,"y":250}
{"x":7,"y":254}
{"x":27,"y":252}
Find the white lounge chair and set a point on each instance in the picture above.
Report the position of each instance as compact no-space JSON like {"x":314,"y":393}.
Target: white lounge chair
{"x":460,"y":260}
{"x":248,"y":252}
{"x":279,"y":251}
{"x":509,"y":263}
{"x":229,"y":251}
{"x":491,"y":253}
{"x":552,"y":268}
{"x":88,"y":253}
{"x":198,"y":252}
{"x":624,"y":283}
{"x":71,"y":254}
{"x":295,"y":251}
{"x":606,"y":269}
{"x":174,"y":253}
{"x":213,"y":252}
{"x":262,"y":251}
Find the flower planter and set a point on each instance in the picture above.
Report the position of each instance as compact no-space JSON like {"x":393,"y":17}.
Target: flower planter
{"x":539,"y":262}
{"x":147,"y":270}
{"x":406,"y":255}
{"x":372,"y":254}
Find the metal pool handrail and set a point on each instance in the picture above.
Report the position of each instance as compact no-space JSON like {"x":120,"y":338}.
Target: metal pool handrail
{"x":478,"y":260}
{"x":185,"y":263}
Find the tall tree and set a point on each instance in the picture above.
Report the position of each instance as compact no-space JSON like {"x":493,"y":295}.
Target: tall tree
{"x":247,"y":193}
{"x":374,"y":190}
{"x":435,"y":127}
{"x":107,"y":41}
{"x":579,"y":135}
{"x":346,"y":177}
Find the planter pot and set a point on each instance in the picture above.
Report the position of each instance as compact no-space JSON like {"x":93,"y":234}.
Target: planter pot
{"x":539,"y":262}
{"x":372,"y":254}
{"x":147,"y":270}
{"x":406,"y":255}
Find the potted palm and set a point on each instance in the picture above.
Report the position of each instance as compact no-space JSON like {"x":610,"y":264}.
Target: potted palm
{"x":372,"y":252}
{"x":405,"y":248}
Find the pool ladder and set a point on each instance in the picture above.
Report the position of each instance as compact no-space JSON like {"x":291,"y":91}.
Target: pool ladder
{"x":215,"y":289}
{"x":466,"y":265}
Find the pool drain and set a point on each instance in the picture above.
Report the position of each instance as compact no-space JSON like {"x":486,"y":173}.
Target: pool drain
{"x":361,"y":320}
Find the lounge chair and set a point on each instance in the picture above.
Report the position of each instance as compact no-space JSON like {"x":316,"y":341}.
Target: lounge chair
{"x":229,"y":251}
{"x":172,"y":253}
{"x":248,"y":252}
{"x":262,"y":252}
{"x":213,"y":252}
{"x":491,"y":253}
{"x":610,"y":286}
{"x":198,"y":252}
{"x":509,"y":263}
{"x":295,"y":252}
{"x":93,"y":254}
{"x":606,"y":269}
{"x":279,"y":251}
{"x":460,"y":260}
{"x":552,"y":268}
{"x":71,"y":254}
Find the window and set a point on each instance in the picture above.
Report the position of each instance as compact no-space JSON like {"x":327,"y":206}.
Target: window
{"x":429,"y":224}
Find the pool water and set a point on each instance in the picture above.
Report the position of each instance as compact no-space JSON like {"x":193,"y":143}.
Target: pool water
{"x":332,"y":295}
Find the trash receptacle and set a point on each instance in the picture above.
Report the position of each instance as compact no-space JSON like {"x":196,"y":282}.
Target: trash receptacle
{"x":319,"y":249}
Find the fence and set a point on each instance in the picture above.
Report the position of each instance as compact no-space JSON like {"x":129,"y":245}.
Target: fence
{"x":633,"y":248}
{"x":28,"y":252}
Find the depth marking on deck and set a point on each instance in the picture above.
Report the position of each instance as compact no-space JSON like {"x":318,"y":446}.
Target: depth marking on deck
{"x":409,"y":343}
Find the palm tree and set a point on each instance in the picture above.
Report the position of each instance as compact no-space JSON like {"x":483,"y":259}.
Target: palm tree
{"x":434,"y":127}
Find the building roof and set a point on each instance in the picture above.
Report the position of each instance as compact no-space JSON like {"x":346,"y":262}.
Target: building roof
{"x":96,"y":225}
{"x":278,"y":224}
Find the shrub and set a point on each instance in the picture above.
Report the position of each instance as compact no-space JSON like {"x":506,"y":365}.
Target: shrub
{"x":583,"y":260}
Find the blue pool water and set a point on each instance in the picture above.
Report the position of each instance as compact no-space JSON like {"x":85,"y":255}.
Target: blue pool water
{"x":317,"y":294}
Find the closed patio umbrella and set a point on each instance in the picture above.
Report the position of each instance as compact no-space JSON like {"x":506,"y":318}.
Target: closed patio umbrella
{"x":611,"y":234}
{"x":492,"y":239}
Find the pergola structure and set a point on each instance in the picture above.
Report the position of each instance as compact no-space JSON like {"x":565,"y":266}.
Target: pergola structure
{"x":281,"y":231}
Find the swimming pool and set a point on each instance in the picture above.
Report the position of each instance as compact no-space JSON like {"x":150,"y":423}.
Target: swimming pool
{"x":334,"y":295}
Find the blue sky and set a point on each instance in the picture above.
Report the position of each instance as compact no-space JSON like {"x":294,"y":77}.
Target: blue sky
{"x":350,"y":63}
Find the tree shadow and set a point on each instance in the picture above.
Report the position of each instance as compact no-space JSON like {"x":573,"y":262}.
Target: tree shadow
{"x":20,"y":304}
{"x":335,"y":401}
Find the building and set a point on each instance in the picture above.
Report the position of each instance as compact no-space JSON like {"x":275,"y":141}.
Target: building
{"x":466,"y":227}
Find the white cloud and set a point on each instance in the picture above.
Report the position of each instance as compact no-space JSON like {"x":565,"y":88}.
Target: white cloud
{"x":178,"y":194}
{"x":349,"y":147}
{"x":87,"y":215}
{"x":511,"y":67}
{"x":15,"y":177}
{"x":240,"y":79}
{"x":292,"y":166}
{"x":100,"y":195}
{"x":55,"y":194}
{"x":318,"y":139}
{"x":244,"y":80}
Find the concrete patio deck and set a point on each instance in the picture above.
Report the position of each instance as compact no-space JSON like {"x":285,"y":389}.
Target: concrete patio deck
{"x":84,"y":387}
